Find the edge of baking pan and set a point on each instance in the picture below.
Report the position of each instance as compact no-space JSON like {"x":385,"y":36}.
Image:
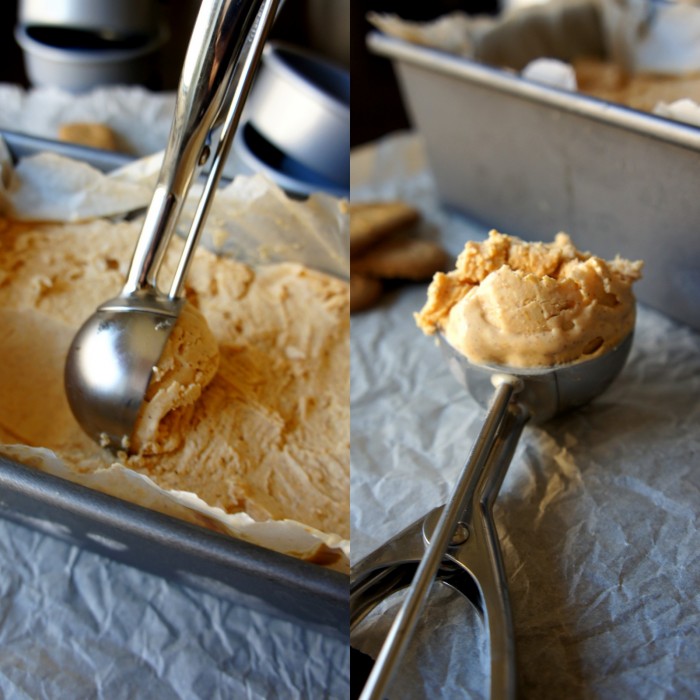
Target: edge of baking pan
{"x":22,"y":145}
{"x":620,"y":180}
{"x":174,"y":549}
{"x":661,"y":128}
{"x":187,"y":554}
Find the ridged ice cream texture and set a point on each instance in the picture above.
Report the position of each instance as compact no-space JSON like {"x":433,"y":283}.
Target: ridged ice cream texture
{"x":514,"y":303}
{"x":267,"y":434}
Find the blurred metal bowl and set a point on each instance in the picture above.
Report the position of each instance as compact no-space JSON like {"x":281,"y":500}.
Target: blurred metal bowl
{"x":300,"y":103}
{"x":122,"y":18}
{"x":253,"y":153}
{"x":79,"y":68}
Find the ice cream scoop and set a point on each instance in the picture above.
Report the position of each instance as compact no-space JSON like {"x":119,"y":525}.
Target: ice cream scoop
{"x":460,"y":538}
{"x":112,"y":358}
{"x":538,"y":328}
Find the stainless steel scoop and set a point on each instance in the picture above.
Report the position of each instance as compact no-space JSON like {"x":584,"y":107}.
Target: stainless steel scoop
{"x":111,"y":360}
{"x":457,"y":544}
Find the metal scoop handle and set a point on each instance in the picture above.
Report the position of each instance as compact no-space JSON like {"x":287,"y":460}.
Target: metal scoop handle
{"x":541,"y":394}
{"x":226,"y":45}
{"x":477,"y":487}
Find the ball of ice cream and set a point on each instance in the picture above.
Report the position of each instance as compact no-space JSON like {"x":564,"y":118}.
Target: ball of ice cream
{"x":521,"y":304}
{"x":188,"y":363}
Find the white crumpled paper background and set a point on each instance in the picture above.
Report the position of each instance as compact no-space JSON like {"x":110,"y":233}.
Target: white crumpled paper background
{"x":74,"y":624}
{"x":598,"y":514}
{"x":77,"y":625}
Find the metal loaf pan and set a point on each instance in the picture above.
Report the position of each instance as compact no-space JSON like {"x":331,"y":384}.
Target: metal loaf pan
{"x":259,"y":578}
{"x":532,"y":160}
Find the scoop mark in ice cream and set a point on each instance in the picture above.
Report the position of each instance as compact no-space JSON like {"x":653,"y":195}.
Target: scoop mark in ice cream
{"x":520,"y":304}
{"x":189,"y":362}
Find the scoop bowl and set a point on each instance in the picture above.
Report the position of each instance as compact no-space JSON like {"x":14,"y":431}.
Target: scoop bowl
{"x":110,"y":364}
{"x":543,"y":391}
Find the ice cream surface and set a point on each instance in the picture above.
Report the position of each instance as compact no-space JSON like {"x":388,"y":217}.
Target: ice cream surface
{"x":642,"y":91}
{"x":520,"y":304}
{"x":252,"y":415}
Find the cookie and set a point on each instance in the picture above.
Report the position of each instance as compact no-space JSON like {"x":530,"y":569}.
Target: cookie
{"x":364,"y":292}
{"x":371,"y":222}
{"x":402,"y":258}
{"x":90,"y":134}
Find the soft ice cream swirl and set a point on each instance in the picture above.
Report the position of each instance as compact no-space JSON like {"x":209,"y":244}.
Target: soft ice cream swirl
{"x":521,"y":304}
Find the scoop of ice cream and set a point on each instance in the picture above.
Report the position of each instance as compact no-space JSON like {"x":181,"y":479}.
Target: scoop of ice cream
{"x":521,"y":304}
{"x":188,"y":363}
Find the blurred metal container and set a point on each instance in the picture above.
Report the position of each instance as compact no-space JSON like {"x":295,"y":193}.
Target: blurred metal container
{"x":252,"y":153}
{"x":77,"y":45}
{"x":300,"y":103}
{"x":120,"y":18}
{"x":80,"y":69}
{"x":532,"y":160}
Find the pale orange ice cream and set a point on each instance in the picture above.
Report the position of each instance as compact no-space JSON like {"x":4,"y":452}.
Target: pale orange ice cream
{"x":521,"y":304}
{"x":253,"y":417}
{"x":189,"y":362}
{"x":643,"y":91}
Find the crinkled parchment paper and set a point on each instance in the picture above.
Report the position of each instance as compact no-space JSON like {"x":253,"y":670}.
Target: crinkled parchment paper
{"x":598,"y":514}
{"x":644,"y":35}
{"x":251,"y":218}
{"x":139,"y":118}
{"x":662,"y":38}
